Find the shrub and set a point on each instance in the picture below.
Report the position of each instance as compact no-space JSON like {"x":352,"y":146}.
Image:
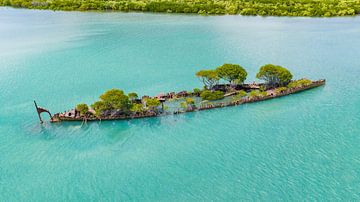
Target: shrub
{"x":82,"y":108}
{"x":197,"y":91}
{"x":299,"y":83}
{"x":257,"y":93}
{"x":209,"y":95}
{"x":137,"y":108}
{"x":280,"y":90}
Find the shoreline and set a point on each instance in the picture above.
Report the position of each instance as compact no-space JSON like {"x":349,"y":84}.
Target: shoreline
{"x":309,"y":8}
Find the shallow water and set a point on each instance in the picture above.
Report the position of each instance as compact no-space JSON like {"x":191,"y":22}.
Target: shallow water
{"x":300,"y":147}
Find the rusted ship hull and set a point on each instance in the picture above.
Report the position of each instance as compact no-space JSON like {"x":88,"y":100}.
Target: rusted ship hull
{"x":314,"y":84}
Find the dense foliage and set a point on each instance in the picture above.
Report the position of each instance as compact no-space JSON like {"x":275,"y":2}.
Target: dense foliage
{"x":274,"y":75}
{"x":82,"y":108}
{"x":137,"y":108}
{"x":233,"y":73}
{"x":324,"y":8}
{"x":152,"y":103}
{"x":209,"y":95}
{"x":133,"y":96}
{"x":209,"y":78}
{"x":113,"y":99}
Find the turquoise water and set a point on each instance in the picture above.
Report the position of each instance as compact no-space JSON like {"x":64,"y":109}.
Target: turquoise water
{"x":300,"y":147}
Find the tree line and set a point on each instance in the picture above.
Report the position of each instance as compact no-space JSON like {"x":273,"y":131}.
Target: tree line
{"x":320,"y":8}
{"x":234,"y":74}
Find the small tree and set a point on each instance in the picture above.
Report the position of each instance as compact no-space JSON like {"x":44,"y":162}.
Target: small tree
{"x":274,"y":75}
{"x":137,"y":108}
{"x":233,"y":73}
{"x":152,"y":103}
{"x":114,"y":99}
{"x":82,"y":108}
{"x":133,"y":96}
{"x":209,"y":77}
{"x":99,"y":107}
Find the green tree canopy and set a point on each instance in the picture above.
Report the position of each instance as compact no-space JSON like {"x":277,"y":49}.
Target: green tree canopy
{"x":113,"y":99}
{"x":82,"y":108}
{"x":209,"y":77}
{"x":152,"y":103}
{"x":99,"y":107}
{"x":137,"y":108}
{"x":274,"y":75}
{"x":233,"y":73}
{"x":133,"y":96}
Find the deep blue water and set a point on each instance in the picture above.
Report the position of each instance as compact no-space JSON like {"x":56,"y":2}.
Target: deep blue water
{"x":300,"y":147}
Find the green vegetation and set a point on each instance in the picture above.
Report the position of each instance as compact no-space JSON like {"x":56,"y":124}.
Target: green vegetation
{"x":114,"y":99}
{"x":280,"y":90}
{"x":152,"y":103}
{"x":239,"y":95}
{"x":274,"y":75}
{"x":278,"y":78}
{"x":257,"y":94}
{"x":197,"y":91}
{"x":137,"y":108}
{"x":299,"y":83}
{"x":82,"y":108}
{"x":133,"y":96}
{"x":188,"y":104}
{"x":325,"y":8}
{"x":209,"y":78}
{"x":209,"y":95}
{"x":233,"y":73}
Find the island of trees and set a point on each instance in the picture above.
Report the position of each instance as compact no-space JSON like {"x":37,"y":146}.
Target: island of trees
{"x":324,"y":8}
{"x":222,"y":86}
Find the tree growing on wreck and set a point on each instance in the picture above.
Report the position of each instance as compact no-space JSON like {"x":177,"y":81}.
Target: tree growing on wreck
{"x":274,"y":75}
{"x":152,"y":103}
{"x":233,"y":73}
{"x":133,"y":96}
{"x":137,"y":108}
{"x":82,"y":108}
{"x":113,"y":99}
{"x":209,"y":78}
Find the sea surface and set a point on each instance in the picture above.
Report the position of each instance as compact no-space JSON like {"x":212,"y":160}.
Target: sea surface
{"x":301,"y":147}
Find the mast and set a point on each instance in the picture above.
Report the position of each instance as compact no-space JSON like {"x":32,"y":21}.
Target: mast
{"x":37,"y":110}
{"x":40,"y":110}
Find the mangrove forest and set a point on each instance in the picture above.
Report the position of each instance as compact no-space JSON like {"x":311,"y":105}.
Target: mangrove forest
{"x":320,"y":8}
